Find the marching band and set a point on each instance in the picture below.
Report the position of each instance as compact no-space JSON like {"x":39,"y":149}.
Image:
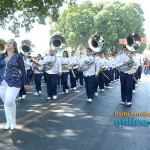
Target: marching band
{"x":97,"y":70}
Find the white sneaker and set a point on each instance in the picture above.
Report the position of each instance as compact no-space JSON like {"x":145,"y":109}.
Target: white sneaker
{"x":19,"y":98}
{"x":123,"y":103}
{"x":96,"y":94}
{"x":74,"y":88}
{"x":115,"y":80}
{"x":107,"y":87}
{"x":87,"y":99}
{"x":129,"y":103}
{"x":23,"y":96}
{"x":36,"y":93}
{"x":102,"y":90}
{"x":111,"y":81}
{"x":54,"y":97}
{"x":136,"y":85}
{"x":67,"y":90}
{"x":133,"y":91}
{"x":48,"y":98}
{"x":63,"y":93}
{"x":90,"y":100}
{"x":40,"y":92}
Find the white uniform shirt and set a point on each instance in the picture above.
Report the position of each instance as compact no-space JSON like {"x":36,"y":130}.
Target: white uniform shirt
{"x":93,"y":70}
{"x":100,"y":63}
{"x":74,"y":60}
{"x":66,"y":61}
{"x":109,"y":62}
{"x":57,"y":67}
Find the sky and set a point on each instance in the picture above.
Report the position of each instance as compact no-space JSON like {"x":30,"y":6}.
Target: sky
{"x":40,"y":36}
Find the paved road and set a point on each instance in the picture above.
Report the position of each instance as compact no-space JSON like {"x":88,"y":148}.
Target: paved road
{"x":70,"y":123}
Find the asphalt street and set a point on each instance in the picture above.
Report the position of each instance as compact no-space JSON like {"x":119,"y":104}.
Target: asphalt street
{"x":71,"y":123}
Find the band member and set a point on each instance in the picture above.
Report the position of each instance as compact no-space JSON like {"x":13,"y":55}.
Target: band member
{"x":73,"y":73}
{"x":52,"y":73}
{"x":80,"y":72}
{"x":102,"y":71}
{"x":89,"y":73}
{"x":110,"y":67}
{"x":38,"y":73}
{"x":28,"y":67}
{"x":11,"y":63}
{"x":65,"y":72}
{"x":126,"y":78}
{"x":116,"y":71}
{"x":107,"y":72}
{"x":96,"y":78}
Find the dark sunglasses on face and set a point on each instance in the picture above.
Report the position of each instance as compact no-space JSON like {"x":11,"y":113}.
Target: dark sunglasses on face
{"x":9,"y":43}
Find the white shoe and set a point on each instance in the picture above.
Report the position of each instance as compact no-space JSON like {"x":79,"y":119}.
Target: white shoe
{"x":40,"y":92}
{"x":67,"y":90}
{"x":96,"y":94}
{"x":115,"y":80}
{"x":111,"y":81}
{"x":107,"y":87}
{"x":81,"y":86}
{"x":63,"y":93}
{"x":36,"y":93}
{"x":136,"y":85}
{"x":19,"y":98}
{"x":48,"y":98}
{"x":7,"y":114}
{"x":123,"y":103}
{"x":129,"y":103}
{"x":74,"y":88}
{"x":54,"y":97}
{"x":133,"y":91}
{"x":102,"y":90}
{"x":90,"y":100}
{"x":23,"y":96}
{"x":87,"y":99}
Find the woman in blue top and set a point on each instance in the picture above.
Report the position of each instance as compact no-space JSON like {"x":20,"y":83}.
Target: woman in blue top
{"x":11,"y":70}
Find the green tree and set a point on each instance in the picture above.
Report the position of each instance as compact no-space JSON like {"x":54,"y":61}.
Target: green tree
{"x":23,"y":13}
{"x":112,"y":20}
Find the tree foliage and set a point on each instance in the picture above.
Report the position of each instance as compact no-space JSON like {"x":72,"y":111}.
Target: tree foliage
{"x":113,"y":20}
{"x":23,"y":13}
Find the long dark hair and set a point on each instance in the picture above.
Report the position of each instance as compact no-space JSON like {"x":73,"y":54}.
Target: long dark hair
{"x":65,"y":52}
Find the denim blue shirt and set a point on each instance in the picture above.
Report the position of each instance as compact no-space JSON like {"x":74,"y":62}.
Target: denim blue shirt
{"x":13,"y":70}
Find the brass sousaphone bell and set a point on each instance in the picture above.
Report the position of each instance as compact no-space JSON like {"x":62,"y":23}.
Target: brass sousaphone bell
{"x":2,"y":45}
{"x":26,"y":47}
{"x":57,"y":41}
{"x":96,"y":42}
{"x":133,"y":41}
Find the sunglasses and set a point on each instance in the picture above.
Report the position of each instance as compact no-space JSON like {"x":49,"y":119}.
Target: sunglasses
{"x":9,"y":43}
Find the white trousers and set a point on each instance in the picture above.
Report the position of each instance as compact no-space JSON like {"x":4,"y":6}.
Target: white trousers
{"x":8,"y":94}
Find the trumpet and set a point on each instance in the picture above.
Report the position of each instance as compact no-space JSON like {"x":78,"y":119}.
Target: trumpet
{"x":35,"y":62}
{"x":66,"y":66}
